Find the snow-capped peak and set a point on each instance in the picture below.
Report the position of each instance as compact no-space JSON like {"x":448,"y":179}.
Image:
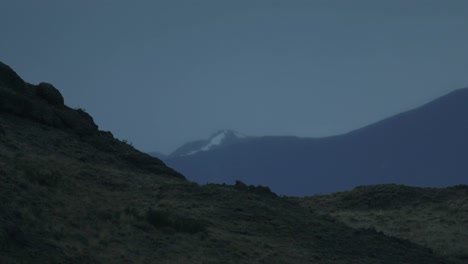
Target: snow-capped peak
{"x":214,"y":141}
{"x":219,"y":138}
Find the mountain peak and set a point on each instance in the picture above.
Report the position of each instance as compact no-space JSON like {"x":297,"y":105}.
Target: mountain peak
{"x":221,"y":138}
{"x":227,"y":133}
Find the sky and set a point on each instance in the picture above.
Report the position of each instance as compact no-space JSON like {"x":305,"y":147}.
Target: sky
{"x":159,"y":73}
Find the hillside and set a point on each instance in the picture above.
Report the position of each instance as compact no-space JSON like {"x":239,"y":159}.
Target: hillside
{"x":435,"y":218}
{"x":424,"y":147}
{"x":73,"y":194}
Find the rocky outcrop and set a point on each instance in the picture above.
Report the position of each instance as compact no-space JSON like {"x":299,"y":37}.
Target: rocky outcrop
{"x":79,"y":121}
{"x":49,"y":93}
{"x":43,"y":103}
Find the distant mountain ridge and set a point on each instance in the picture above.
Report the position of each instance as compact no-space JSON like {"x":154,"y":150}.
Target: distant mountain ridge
{"x":427,"y":146}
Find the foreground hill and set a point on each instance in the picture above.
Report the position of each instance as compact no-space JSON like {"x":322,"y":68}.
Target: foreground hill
{"x":435,"y":218}
{"x":73,"y":194}
{"x":427,"y":146}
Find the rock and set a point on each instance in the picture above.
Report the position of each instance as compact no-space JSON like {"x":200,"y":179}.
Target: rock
{"x":79,"y":121}
{"x":49,"y":93}
{"x":43,"y":103}
{"x":106,"y":134}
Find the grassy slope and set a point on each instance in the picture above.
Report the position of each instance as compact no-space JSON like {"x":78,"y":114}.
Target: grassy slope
{"x":432,"y":217}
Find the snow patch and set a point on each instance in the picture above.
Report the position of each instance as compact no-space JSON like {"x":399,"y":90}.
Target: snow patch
{"x":191,"y":152}
{"x":217,"y":140}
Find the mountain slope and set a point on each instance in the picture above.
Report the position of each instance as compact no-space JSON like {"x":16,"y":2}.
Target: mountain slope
{"x":74,"y":195}
{"x":436,"y":218}
{"x":427,"y":146}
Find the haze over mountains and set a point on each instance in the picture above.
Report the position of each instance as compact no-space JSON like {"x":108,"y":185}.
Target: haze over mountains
{"x":427,"y":146}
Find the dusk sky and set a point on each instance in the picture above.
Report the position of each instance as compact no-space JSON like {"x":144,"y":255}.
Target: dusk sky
{"x":161,"y":73}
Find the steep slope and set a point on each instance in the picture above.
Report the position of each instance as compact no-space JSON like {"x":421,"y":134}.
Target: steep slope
{"x":435,"y":218}
{"x":79,"y":196}
{"x":158,"y":155}
{"x":427,"y":146}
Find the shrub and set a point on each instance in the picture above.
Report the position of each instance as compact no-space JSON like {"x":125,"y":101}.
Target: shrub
{"x":127,"y":142}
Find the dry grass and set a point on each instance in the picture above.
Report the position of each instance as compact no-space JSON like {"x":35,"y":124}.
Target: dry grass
{"x":435,"y":218}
